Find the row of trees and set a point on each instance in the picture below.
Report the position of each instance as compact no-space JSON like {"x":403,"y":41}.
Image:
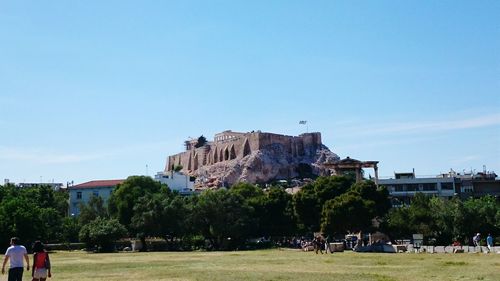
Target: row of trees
{"x":33,"y":213}
{"x":227,"y":219}
{"x":443,"y":221}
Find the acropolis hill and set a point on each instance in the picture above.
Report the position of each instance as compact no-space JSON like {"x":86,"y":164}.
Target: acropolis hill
{"x":254,"y":157}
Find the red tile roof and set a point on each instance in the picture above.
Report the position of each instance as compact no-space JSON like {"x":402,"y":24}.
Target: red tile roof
{"x":99,"y":183}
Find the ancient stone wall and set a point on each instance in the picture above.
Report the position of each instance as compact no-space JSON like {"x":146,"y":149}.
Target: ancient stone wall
{"x":230,"y":145}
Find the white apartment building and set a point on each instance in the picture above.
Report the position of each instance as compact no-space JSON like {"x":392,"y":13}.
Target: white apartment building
{"x":176,"y":181}
{"x":404,"y":186}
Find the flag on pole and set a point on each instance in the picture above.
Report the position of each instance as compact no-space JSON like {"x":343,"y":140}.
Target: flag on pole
{"x":303,"y":122}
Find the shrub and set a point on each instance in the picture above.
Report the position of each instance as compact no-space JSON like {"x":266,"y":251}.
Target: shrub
{"x":101,"y":233}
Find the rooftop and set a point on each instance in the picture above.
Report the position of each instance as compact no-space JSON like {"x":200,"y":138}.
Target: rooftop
{"x":97,"y":183}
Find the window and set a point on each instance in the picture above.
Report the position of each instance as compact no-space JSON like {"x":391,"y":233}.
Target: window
{"x":467,"y":188}
{"x":429,"y":186}
{"x":399,"y":187}
{"x":79,"y":195}
{"x":412,"y":187}
{"x":95,"y":193}
{"x":447,"y":186}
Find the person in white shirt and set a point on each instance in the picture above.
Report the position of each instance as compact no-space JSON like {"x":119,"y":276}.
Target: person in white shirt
{"x":477,"y":239}
{"x":15,"y":253}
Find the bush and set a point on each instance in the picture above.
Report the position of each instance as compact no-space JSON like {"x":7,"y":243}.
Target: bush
{"x":64,"y":246}
{"x":101,"y":233}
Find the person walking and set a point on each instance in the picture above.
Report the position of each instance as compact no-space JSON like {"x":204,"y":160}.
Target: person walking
{"x":15,"y":253}
{"x":318,"y":244}
{"x":489,"y":242}
{"x":41,"y":263}
{"x":327,"y":244}
{"x":476,"y":239}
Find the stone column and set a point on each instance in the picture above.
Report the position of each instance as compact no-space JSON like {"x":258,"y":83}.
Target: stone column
{"x":359,"y":177}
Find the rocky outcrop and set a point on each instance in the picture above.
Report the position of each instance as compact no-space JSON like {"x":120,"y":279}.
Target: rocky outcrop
{"x":254,"y":157}
{"x":269,"y":163}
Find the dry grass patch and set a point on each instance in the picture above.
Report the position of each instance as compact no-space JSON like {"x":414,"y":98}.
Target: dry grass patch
{"x":273,"y":265}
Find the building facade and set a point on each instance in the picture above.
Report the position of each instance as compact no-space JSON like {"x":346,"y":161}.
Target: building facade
{"x":81,"y":193}
{"x":404,"y":186}
{"x":176,"y":181}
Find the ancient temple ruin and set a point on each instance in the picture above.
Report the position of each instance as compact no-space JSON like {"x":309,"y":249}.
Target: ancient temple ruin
{"x":255,"y":157}
{"x":350,"y":165}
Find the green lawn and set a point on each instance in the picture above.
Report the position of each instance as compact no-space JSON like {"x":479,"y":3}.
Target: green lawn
{"x":273,"y":265}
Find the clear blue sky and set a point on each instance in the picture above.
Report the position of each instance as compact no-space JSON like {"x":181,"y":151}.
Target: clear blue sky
{"x":100,"y":89}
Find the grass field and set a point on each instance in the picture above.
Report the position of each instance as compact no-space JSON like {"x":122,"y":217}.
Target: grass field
{"x":273,"y":265}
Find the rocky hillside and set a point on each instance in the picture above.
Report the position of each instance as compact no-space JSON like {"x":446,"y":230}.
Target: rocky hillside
{"x":265,"y":165}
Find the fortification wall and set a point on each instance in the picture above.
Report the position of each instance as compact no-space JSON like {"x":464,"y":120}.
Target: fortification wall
{"x":230,"y":145}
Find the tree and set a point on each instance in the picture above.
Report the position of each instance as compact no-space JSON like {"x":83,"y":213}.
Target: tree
{"x":147,"y":218}
{"x":178,"y":168}
{"x":246,"y":190}
{"x":102,"y":233}
{"x":93,"y":209}
{"x":201,"y":141}
{"x":444,"y":221}
{"x":481,"y":215}
{"x":328,"y":188}
{"x":416,"y":218}
{"x":397,"y":223}
{"x":31,"y":213}
{"x":70,"y":230}
{"x":307,"y":208}
{"x":275,"y":212}
{"x":368,"y":190}
{"x":17,"y":219}
{"x":127,"y":194}
{"x":308,"y":202}
{"x":223,"y":218}
{"x":356,"y":209}
{"x":346,"y":213}
{"x":175,"y":219}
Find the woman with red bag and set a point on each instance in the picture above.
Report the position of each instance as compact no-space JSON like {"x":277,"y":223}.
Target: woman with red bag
{"x":41,"y":263}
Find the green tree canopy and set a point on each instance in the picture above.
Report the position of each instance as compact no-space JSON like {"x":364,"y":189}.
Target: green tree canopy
{"x":127,"y":195}
{"x":275,"y":213}
{"x":31,"y":213}
{"x":356,"y":209}
{"x":309,"y":201}
{"x":93,"y":209}
{"x":102,"y":233}
{"x":346,"y":213}
{"x":223,"y":218}
{"x":201,"y":141}
{"x":444,"y":221}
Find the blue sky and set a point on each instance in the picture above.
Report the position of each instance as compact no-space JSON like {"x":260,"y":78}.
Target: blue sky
{"x":100,"y":89}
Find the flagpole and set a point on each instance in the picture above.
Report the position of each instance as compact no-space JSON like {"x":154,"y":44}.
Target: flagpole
{"x":304,"y":122}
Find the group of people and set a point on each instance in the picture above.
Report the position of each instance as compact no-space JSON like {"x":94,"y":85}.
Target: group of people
{"x":17,"y":254}
{"x":319,"y":243}
{"x":477,"y":241}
